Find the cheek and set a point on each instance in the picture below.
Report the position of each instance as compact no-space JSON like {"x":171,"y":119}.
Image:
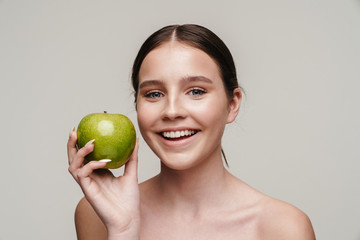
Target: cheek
{"x":210,"y":112}
{"x":144,"y":116}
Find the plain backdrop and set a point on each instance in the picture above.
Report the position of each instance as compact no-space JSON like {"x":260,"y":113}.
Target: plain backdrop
{"x":297,"y":137}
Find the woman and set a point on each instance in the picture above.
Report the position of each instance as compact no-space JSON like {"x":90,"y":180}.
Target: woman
{"x":186,"y":91}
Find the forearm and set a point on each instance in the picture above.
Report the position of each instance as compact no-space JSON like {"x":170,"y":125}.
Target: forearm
{"x":132,"y":232}
{"x":129,"y":235}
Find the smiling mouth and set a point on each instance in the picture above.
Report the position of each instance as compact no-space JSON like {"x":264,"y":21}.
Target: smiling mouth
{"x":174,"y":135}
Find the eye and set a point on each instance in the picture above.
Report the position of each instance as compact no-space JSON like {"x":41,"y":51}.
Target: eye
{"x":196,"y":92}
{"x":153,"y":94}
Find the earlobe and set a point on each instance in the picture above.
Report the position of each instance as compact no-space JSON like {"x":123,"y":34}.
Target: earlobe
{"x":234,"y":105}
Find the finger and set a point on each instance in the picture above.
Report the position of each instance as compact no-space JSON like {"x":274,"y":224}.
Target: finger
{"x":78,"y":160}
{"x":131,"y":166}
{"x":71,"y":145}
{"x":86,"y":171}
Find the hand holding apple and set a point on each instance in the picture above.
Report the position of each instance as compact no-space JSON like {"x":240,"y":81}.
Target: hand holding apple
{"x":116,"y":200}
{"x":114,"y":135}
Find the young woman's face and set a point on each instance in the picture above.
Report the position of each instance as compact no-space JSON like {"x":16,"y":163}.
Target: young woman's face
{"x":182,"y":105}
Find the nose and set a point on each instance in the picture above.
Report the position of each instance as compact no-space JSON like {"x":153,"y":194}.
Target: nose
{"x":173,"y":108}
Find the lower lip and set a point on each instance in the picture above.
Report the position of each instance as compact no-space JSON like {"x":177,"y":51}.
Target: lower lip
{"x":178,"y":141}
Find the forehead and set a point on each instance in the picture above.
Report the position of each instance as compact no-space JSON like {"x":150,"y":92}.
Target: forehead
{"x":175,"y":60}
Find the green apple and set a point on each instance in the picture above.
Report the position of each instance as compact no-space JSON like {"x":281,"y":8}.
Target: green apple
{"x":114,"y":135}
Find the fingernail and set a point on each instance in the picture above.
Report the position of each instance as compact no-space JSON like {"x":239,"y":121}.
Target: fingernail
{"x":90,"y":142}
{"x":105,"y":160}
{"x":71,"y":131}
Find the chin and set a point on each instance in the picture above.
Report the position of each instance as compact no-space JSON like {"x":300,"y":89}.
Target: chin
{"x":180,"y":162}
{"x":176,"y":167}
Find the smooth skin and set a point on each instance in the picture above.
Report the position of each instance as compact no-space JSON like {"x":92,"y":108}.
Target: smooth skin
{"x":193,"y":196}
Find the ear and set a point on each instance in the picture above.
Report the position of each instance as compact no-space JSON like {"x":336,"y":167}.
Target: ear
{"x":234,"y":105}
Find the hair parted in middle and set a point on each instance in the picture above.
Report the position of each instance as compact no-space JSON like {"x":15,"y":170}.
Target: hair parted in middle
{"x":196,"y":36}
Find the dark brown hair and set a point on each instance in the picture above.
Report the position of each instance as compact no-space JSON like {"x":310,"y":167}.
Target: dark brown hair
{"x":195,"y":36}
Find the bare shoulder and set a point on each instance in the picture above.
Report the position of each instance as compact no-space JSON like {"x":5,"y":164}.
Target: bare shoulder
{"x":88,"y":224}
{"x":280,"y":220}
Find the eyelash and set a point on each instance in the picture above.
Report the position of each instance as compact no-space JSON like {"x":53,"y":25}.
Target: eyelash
{"x":152,"y":93}
{"x":157,"y":94}
{"x":199,"y":90}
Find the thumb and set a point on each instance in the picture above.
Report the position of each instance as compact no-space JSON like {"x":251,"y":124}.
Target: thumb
{"x":131,"y":166}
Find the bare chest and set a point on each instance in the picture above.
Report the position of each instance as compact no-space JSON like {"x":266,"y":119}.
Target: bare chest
{"x":207,"y":228}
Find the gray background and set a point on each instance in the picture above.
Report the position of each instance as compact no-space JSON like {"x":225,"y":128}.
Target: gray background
{"x":296,"y":138}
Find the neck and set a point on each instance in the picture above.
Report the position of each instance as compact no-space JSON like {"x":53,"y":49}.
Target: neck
{"x":197,"y":187}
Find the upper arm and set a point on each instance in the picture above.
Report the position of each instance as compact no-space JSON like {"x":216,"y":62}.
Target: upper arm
{"x":88,"y":224}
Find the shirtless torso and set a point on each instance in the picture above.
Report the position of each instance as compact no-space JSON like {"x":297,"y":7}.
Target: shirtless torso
{"x":248,"y":215}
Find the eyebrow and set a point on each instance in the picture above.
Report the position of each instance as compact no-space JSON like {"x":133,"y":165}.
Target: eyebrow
{"x":150,"y":83}
{"x":197,"y":79}
{"x":184,"y":79}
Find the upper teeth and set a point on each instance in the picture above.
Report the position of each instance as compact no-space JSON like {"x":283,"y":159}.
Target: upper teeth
{"x":177,"y":134}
